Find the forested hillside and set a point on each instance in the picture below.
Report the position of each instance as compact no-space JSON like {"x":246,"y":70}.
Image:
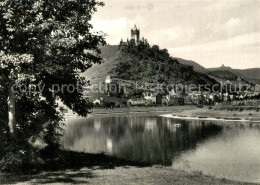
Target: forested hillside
{"x":154,"y":65}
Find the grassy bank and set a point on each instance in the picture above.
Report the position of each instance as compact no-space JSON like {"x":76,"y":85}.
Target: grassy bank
{"x":82,"y":168}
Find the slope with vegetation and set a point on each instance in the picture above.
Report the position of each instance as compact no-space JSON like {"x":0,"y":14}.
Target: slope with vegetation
{"x":224,"y":76}
{"x":197,"y":67}
{"x":251,"y":75}
{"x":154,"y":65}
{"x":98,"y":72}
{"x":142,"y":63}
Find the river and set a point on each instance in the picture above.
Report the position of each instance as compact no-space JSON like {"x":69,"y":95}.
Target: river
{"x":223,"y":149}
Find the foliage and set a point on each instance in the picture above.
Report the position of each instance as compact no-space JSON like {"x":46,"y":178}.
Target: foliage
{"x":154,"y":65}
{"x":44,"y":44}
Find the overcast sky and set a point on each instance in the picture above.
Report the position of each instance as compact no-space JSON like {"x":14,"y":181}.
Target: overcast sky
{"x":209,"y":32}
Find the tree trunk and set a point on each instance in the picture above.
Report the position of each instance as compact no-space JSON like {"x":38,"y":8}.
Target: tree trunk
{"x":11,"y":110}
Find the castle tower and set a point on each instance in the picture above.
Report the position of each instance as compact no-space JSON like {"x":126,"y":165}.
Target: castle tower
{"x":135,"y":34}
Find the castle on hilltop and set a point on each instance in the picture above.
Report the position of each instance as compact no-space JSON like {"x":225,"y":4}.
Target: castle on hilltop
{"x":135,"y":38}
{"x":135,"y":34}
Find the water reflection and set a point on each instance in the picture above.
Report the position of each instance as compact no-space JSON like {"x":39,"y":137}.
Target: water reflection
{"x":222,"y":149}
{"x":234,"y":154}
{"x":155,"y":140}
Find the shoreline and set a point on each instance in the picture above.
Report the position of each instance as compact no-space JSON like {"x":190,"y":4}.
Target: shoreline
{"x":127,"y":175}
{"x":84,"y":168}
{"x":218,"y":115}
{"x":180,"y":112}
{"x":135,"y":110}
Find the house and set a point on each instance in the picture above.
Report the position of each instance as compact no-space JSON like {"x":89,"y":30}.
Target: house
{"x":97,"y":102}
{"x":154,"y":97}
{"x":164,"y":100}
{"x":257,"y":89}
{"x":187,"y":100}
{"x":150,"y":96}
{"x":138,"y":102}
{"x":225,"y":97}
{"x":108,"y":80}
{"x":174,"y":100}
{"x":172,"y":93}
{"x":196,"y":98}
{"x":227,"y":82}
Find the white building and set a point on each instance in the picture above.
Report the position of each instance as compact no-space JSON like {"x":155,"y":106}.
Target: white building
{"x":108,"y":80}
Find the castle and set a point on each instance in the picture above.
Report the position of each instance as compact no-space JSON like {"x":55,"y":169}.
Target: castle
{"x":135,"y":34}
{"x":135,"y":37}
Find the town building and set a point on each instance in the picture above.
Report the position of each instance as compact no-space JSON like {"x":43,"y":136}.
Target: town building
{"x":257,"y":89}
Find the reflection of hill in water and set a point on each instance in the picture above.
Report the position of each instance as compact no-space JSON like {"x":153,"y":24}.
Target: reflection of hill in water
{"x":149,"y":139}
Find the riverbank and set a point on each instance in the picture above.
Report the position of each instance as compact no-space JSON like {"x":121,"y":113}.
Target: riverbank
{"x":137,"y":110}
{"x":248,"y":115}
{"x":181,"y":111}
{"x":81,"y":168}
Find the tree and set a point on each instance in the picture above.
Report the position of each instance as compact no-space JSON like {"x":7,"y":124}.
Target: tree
{"x":45,"y":45}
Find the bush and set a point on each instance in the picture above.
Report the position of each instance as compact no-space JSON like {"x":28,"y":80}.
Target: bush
{"x":20,"y":161}
{"x":12,"y":162}
{"x":17,"y":155}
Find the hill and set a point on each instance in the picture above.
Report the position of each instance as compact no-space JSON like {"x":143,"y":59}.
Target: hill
{"x":98,"y":72}
{"x":223,"y":75}
{"x":251,"y":75}
{"x":221,"y":68}
{"x":154,"y":65}
{"x":157,"y":66}
{"x":197,"y":67}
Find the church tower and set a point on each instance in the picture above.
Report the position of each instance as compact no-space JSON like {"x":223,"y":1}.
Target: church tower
{"x":135,"y":34}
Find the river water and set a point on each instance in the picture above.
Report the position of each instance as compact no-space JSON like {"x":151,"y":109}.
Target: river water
{"x":222,"y":149}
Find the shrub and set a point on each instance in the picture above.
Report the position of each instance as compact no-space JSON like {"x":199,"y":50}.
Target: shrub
{"x":12,"y":162}
{"x":21,"y":161}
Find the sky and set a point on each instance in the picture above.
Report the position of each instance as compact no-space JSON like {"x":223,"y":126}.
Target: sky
{"x":209,"y":32}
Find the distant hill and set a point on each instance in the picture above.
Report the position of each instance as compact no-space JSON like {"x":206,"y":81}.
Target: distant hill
{"x":221,"y":68}
{"x":224,"y":75}
{"x":197,"y":67}
{"x":251,"y":75}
